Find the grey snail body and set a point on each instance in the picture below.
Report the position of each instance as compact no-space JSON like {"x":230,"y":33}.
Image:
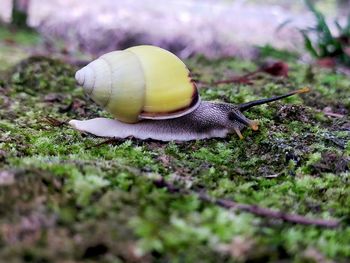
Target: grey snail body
{"x":209,"y":120}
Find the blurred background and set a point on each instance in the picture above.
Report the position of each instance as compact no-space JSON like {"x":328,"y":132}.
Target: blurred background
{"x":214,"y":28}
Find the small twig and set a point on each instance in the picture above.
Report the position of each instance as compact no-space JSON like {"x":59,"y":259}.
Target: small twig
{"x":228,"y":204}
{"x":271,"y":176}
{"x":266,"y":212}
{"x":241,"y":79}
{"x":54,"y":122}
{"x":108,"y":141}
{"x":333,"y":114}
{"x":328,"y":112}
{"x":277,"y":69}
{"x":253,"y":209}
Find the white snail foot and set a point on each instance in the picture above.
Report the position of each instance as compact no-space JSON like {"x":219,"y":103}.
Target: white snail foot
{"x":157,"y":130}
{"x":102,"y":127}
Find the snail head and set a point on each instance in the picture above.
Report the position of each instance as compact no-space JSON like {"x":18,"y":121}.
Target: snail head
{"x":239,"y":121}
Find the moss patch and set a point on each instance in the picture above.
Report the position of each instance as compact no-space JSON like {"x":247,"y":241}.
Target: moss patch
{"x":69,"y":199}
{"x":15,"y":45}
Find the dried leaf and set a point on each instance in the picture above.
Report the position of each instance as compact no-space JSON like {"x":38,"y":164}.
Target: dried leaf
{"x":278,"y":69}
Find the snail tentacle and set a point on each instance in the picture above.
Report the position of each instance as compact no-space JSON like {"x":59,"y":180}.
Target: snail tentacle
{"x":247,"y":105}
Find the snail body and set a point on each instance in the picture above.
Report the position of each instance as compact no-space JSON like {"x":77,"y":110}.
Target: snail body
{"x":150,"y":94}
{"x":207,"y":121}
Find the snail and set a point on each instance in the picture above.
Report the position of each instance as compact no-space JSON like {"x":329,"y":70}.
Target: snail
{"x":151,"y":95}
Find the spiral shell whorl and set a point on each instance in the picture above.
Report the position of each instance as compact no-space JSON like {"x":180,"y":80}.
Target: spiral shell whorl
{"x":115,"y":82}
{"x":85,"y":78}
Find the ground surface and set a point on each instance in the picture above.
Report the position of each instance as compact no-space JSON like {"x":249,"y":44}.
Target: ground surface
{"x":64,"y":198}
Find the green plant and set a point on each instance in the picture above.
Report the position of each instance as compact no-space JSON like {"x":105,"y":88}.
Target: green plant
{"x":327,"y":45}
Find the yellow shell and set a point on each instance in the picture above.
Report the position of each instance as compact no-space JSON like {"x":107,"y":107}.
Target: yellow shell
{"x":142,"y":82}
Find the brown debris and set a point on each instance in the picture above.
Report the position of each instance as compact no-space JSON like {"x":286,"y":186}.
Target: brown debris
{"x":328,"y":112}
{"x":76,"y":105}
{"x":326,"y":62}
{"x":54,"y":122}
{"x":276,"y":69}
{"x":331,"y":163}
{"x":53,"y":97}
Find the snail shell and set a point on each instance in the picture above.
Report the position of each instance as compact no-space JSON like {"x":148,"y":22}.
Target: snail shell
{"x":142,"y":82}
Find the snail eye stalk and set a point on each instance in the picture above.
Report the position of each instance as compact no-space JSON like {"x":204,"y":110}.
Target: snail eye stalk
{"x":248,"y":105}
{"x":238,"y":132}
{"x":238,"y":116}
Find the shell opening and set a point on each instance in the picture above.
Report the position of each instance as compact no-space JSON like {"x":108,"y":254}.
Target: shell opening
{"x":196,"y":101}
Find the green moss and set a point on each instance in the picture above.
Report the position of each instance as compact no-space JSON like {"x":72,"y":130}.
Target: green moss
{"x":99,"y":199}
{"x":268,"y":51}
{"x":41,"y":74}
{"x":19,"y":36}
{"x":13,"y":45}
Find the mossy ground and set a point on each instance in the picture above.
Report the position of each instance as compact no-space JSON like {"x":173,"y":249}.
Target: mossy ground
{"x":15,"y":45}
{"x":64,"y":198}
